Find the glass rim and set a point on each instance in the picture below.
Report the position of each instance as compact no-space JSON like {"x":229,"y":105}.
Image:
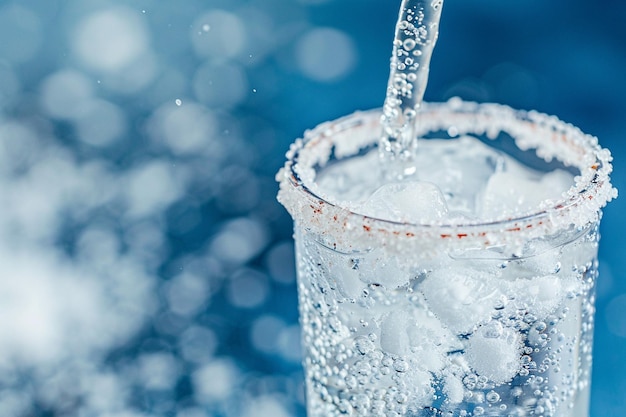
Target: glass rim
{"x":581,"y":207}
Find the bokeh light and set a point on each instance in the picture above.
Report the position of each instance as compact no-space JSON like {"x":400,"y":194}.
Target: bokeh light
{"x":146,"y":267}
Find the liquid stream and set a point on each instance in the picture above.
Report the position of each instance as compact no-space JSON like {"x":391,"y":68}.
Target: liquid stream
{"x":416,"y":34}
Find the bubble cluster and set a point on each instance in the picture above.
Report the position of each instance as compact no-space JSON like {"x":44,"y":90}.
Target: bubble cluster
{"x":399,"y":351}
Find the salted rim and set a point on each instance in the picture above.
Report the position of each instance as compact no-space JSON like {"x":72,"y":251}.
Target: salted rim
{"x":550,"y":137}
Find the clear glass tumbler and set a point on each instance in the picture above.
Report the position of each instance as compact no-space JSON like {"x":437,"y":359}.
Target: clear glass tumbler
{"x":476,"y":319}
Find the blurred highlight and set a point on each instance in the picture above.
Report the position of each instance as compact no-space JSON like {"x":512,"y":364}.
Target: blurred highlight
{"x":146,"y":268}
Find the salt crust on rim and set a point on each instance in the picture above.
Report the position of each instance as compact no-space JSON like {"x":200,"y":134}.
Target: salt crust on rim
{"x":551,"y":139}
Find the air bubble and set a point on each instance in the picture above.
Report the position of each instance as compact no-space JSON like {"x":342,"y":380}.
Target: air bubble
{"x":470,"y":381}
{"x":492,"y":397}
{"x":409,"y":44}
{"x":363,"y":345}
{"x":361,"y":403}
{"x":400,"y":365}
{"x":401,"y":398}
{"x":344,"y":407}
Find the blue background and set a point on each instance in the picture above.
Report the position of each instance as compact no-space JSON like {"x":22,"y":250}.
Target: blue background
{"x":146,"y":268}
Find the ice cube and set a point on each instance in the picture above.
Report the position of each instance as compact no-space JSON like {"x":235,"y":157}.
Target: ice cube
{"x":494,"y":352}
{"x":420,"y":386}
{"x":515,"y":191}
{"x":411,"y":202}
{"x":578,"y":256}
{"x":429,"y":330}
{"x":431,"y":342}
{"x":545,"y":259}
{"x":379,"y":268}
{"x":508,"y":194}
{"x":539,"y":295}
{"x":342,"y":269}
{"x":394,"y":335}
{"x":419,"y":336}
{"x":350,"y":181}
{"x":462,"y":299}
{"x":460,"y":167}
{"x":555,"y":183}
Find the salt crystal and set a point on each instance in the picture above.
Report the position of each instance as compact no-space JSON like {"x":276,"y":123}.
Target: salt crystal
{"x":410,"y":202}
{"x":460,"y":298}
{"x":497,"y":358}
{"x":592,"y":189}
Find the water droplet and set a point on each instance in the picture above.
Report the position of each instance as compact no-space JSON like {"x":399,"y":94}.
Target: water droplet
{"x":178,"y":102}
{"x":206,"y":27}
{"x":254,"y":90}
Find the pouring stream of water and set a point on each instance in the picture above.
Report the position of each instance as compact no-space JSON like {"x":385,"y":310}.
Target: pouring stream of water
{"x":415,"y":38}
